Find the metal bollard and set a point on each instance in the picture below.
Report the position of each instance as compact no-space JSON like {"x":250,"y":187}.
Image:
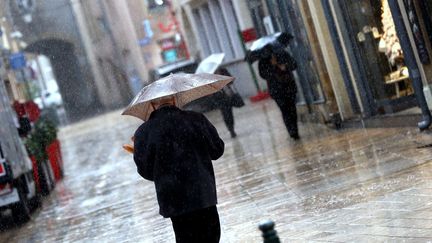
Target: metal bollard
{"x":268,"y":232}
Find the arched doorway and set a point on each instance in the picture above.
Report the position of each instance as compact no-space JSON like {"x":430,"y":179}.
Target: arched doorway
{"x":78,"y":93}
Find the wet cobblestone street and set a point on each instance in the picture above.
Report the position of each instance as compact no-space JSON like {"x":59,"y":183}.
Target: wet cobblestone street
{"x":352,"y":185}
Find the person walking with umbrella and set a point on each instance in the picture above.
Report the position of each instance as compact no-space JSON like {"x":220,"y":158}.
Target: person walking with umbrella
{"x":225,"y":99}
{"x":175,"y":148}
{"x":277,"y":69}
{"x":276,"y":66}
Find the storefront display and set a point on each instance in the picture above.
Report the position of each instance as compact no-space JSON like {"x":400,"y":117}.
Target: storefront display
{"x":377,"y":49}
{"x":390,"y":45}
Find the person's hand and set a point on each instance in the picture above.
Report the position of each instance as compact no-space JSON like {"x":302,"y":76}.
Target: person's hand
{"x":282,"y":67}
{"x":129,"y":147}
{"x":273,"y":60}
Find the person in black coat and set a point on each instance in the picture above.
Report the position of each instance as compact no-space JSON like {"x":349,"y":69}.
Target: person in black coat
{"x":222,"y":101}
{"x":277,"y":69}
{"x":175,"y":149}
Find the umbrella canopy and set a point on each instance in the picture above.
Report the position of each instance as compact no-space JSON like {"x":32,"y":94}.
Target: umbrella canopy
{"x":211,"y":63}
{"x":182,"y":86}
{"x":263,"y":46}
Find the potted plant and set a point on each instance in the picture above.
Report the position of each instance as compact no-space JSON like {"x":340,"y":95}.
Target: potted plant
{"x":43,"y":147}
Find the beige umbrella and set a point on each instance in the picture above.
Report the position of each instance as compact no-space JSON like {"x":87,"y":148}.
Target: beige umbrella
{"x":182,"y":86}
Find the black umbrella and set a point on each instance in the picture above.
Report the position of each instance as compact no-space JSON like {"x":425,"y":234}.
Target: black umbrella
{"x":264,"y":46}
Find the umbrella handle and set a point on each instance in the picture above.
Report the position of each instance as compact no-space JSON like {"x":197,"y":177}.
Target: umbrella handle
{"x":129,"y":148}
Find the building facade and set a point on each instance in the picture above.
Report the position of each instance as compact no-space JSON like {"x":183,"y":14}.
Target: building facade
{"x":227,"y":25}
{"x":352,"y":52}
{"x":93,"y":47}
{"x":56,"y":35}
{"x":215,"y":26}
{"x":373,"y":55}
{"x":320,"y":84}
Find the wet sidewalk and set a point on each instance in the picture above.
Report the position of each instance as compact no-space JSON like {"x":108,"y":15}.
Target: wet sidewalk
{"x":352,"y":185}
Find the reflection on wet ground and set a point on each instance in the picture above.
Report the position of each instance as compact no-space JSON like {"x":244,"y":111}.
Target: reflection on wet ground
{"x":343,"y":186}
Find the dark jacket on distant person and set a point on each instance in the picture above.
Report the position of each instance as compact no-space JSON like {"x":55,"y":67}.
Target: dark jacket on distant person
{"x":280,"y":82}
{"x":221,"y":99}
{"x":175,"y":149}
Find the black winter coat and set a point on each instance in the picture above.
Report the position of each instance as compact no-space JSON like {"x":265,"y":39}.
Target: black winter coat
{"x":281,"y":83}
{"x":175,"y":149}
{"x":221,"y":99}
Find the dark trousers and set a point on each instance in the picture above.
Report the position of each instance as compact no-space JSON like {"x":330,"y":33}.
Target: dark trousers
{"x":228,"y":117}
{"x":287,"y":105}
{"x":199,"y":226}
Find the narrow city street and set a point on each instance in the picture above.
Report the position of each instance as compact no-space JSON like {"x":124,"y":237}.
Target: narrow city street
{"x":352,"y":185}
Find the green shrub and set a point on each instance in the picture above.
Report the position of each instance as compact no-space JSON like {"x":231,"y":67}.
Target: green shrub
{"x":43,"y":134}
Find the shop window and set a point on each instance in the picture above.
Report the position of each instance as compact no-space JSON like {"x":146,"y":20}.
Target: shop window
{"x":221,"y":30}
{"x":217,"y":29}
{"x":257,"y":12}
{"x":210,"y":29}
{"x":277,"y":18}
{"x":373,"y":35}
{"x":232,"y":25}
{"x":201,"y":33}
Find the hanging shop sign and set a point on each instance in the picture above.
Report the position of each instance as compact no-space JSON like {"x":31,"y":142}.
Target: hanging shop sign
{"x":166,"y":28}
{"x":147,"y":28}
{"x":167,"y":43}
{"x":170,"y":55}
{"x":416,"y":31}
{"x":148,"y":33}
{"x":17,"y":61}
{"x":169,"y":26}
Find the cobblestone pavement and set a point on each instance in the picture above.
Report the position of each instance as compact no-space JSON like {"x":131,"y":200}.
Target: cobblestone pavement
{"x":353,"y":185}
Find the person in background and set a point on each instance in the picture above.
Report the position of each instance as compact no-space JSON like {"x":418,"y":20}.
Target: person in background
{"x":277,"y":70}
{"x":223,"y":101}
{"x":175,"y":149}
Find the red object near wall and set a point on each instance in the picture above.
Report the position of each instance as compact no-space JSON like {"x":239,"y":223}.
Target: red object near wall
{"x":166,"y":28}
{"x":249,"y":35}
{"x":260,"y":96}
{"x":32,"y":110}
{"x":19,"y":108}
{"x":56,"y":160}
{"x":35,"y":172}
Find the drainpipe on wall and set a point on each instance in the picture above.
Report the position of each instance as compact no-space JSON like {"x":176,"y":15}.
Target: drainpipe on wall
{"x":410,"y":60}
